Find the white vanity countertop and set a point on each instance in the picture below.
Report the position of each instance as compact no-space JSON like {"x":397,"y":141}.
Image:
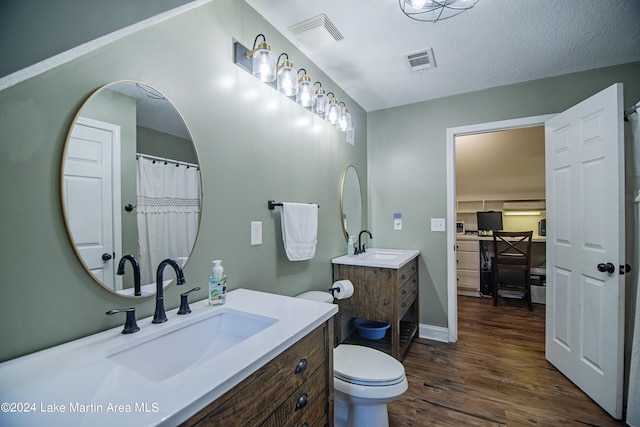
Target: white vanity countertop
{"x":75,"y":384}
{"x":378,"y":257}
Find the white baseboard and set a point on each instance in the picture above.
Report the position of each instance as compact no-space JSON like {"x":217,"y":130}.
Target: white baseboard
{"x":436,"y":333}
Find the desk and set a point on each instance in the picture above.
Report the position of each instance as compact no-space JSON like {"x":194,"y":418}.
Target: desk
{"x":473,"y":254}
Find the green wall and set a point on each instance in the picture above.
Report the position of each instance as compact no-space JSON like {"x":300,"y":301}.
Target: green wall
{"x":253,"y":143}
{"x":44,"y":26}
{"x":407,"y":151}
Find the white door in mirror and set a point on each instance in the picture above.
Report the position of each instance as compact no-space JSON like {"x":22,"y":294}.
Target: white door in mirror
{"x":90,"y":197}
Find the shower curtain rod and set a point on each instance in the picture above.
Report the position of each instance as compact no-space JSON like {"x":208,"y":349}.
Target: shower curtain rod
{"x":165,"y":160}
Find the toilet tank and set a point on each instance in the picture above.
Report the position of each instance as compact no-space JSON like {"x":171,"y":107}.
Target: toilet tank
{"x":318,"y":296}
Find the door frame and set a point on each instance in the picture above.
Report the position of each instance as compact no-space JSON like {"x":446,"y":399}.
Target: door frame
{"x":452,"y":288}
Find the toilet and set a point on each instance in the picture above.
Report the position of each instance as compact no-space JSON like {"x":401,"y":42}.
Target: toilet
{"x":364,"y":380}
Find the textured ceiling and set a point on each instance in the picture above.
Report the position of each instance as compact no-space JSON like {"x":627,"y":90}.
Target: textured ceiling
{"x":496,"y":43}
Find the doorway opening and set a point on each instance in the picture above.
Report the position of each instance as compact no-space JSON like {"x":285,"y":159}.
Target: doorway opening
{"x":452,"y":134}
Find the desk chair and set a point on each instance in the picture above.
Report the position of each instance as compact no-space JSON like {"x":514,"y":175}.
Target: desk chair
{"x":512,"y":251}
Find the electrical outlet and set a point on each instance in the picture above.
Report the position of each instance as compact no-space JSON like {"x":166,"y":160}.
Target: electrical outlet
{"x":437,"y":224}
{"x":256,"y":233}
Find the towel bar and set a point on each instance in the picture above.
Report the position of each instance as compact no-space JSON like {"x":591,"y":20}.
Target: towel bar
{"x":272,"y":204}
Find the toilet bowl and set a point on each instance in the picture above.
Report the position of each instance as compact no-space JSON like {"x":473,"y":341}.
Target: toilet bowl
{"x":364,"y":380}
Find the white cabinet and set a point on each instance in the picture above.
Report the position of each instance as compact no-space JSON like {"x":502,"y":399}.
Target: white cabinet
{"x":468,"y":266}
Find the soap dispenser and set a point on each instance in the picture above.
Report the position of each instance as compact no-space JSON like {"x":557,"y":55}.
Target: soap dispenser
{"x":217,"y":291}
{"x":351,"y":250}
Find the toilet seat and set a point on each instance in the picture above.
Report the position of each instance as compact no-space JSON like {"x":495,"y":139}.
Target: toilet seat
{"x":366,"y":366}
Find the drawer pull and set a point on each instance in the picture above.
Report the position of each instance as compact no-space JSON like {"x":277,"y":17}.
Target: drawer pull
{"x":302,"y":401}
{"x":301,"y":366}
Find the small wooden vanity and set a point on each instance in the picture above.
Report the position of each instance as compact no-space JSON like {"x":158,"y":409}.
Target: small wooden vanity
{"x":384,"y":293}
{"x":295,"y":388}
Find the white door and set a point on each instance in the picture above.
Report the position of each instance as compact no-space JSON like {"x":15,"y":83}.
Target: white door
{"x":89,"y":197}
{"x":585,"y":246}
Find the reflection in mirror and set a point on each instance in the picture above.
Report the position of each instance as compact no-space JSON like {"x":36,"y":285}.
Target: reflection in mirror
{"x":130,"y":185}
{"x":350,"y":202}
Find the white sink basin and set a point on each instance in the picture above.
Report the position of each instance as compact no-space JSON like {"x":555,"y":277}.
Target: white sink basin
{"x":381,"y":254}
{"x":161,"y":375}
{"x":376,"y":257}
{"x":166,"y":355}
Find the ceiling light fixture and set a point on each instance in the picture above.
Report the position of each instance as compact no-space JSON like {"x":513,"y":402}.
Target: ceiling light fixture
{"x":434,"y":10}
{"x":305,"y":90}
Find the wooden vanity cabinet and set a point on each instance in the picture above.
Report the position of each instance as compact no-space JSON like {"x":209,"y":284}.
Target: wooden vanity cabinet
{"x":384,"y":295}
{"x":294,"y":389}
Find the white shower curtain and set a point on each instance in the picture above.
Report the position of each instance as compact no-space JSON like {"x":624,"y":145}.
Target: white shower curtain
{"x":168,"y":214}
{"x":633,"y":305}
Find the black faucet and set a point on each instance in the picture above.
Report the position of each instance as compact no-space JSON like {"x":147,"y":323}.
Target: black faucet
{"x":136,"y":272}
{"x":160,"y":316}
{"x":184,"y":301}
{"x":360,"y":248}
{"x":130,"y":325}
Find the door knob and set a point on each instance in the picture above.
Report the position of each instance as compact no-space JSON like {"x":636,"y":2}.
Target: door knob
{"x":624,"y":269}
{"x":106,"y":256}
{"x":606,"y":268}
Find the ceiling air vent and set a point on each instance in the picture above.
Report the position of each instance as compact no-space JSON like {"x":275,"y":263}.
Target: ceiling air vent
{"x":316,"y":32}
{"x":421,"y":60}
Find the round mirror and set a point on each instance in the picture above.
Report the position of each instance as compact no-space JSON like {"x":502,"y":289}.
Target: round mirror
{"x":350,"y":202}
{"x":130,"y":184}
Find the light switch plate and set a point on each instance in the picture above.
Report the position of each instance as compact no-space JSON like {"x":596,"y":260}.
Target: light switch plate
{"x":437,"y":224}
{"x":256,"y":233}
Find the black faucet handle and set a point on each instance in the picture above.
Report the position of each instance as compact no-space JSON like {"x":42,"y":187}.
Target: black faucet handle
{"x":130,"y":325}
{"x":184,"y":301}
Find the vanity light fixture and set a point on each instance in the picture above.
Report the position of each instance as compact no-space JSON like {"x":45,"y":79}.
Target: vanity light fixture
{"x":287,"y":79}
{"x":434,"y":10}
{"x":305,"y":90}
{"x":320,"y":101}
{"x":294,"y":84}
{"x":333,"y":111}
{"x":344,"y":120}
{"x":264,"y":65}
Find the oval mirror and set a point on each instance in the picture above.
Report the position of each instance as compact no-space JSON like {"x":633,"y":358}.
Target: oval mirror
{"x":130,"y":187}
{"x":350,"y":202}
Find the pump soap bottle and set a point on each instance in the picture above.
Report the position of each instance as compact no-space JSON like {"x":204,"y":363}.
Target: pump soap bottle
{"x":217,"y":291}
{"x":351,"y":246}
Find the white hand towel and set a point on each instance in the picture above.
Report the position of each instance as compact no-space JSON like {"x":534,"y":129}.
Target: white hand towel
{"x":299,"y":230}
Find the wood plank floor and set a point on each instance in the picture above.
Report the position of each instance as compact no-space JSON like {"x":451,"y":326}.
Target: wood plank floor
{"x":495,"y":375}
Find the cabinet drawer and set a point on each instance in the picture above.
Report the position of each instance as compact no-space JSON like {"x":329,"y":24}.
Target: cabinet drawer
{"x":468,"y":260}
{"x":255,"y":399}
{"x":469,"y":279}
{"x":407,"y":294}
{"x":407,"y":270}
{"x":307,"y":404}
{"x":468,"y":246}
